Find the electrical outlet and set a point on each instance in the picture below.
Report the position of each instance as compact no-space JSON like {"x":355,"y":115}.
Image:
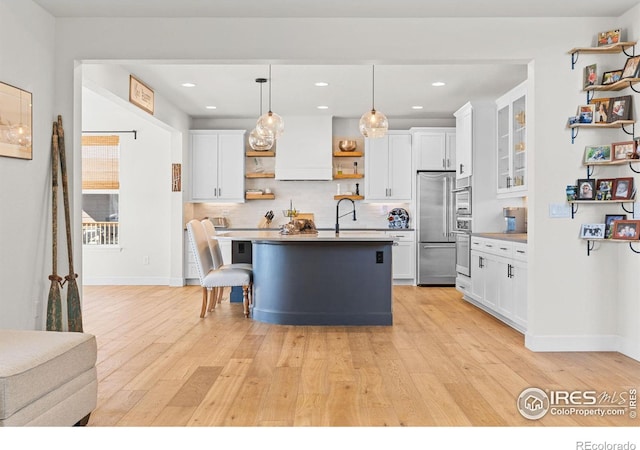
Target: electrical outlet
{"x":145,"y":260}
{"x":379,"y":257}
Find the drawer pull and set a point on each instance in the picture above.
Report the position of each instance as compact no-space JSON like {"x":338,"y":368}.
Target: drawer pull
{"x":520,"y":251}
{"x":504,"y":248}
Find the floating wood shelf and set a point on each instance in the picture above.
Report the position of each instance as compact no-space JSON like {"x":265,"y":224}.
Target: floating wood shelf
{"x":616,"y":124}
{"x":260,"y":175}
{"x":613,"y":48}
{"x":255,"y":196}
{"x":265,"y":154}
{"x":617,"y":86}
{"x":352,"y":197}
{"x":347,"y":154}
{"x":342,"y":176}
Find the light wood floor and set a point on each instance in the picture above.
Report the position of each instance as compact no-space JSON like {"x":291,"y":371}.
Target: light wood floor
{"x":442,"y":363}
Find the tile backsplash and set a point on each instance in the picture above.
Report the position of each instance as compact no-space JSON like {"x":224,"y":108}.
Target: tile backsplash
{"x":307,"y":197}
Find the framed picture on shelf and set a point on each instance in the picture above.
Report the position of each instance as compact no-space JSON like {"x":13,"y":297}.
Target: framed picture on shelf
{"x":626,"y":229}
{"x":590,"y":76}
{"x":623,"y":150}
{"x":611,"y":77}
{"x":597,"y":154}
{"x":608,"y":222}
{"x":586,"y":189}
{"x":631,"y":67}
{"x":622,"y":189}
{"x":571,"y":192}
{"x":609,"y":37}
{"x":592,"y":231}
{"x":601,"y":106}
{"x":604,"y":186}
{"x":636,"y":144}
{"x":585,"y":113}
{"x":620,"y":108}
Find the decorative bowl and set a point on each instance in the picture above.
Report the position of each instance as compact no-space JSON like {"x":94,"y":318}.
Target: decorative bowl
{"x":348,"y":145}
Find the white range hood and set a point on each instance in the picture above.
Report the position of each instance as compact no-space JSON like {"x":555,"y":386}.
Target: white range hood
{"x":303,"y":152}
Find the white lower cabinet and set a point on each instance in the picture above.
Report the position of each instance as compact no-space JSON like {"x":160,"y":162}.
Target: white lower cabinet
{"x":404,"y":255}
{"x":499,"y":279}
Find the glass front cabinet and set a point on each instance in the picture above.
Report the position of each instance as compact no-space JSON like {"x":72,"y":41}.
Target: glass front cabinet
{"x":512,"y":141}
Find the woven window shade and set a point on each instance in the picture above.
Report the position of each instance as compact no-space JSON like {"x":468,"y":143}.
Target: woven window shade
{"x":100,"y":162}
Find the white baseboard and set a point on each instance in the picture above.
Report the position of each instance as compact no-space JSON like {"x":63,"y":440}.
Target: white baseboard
{"x":572,"y":343}
{"x":126,"y":281}
{"x":176,"y":282}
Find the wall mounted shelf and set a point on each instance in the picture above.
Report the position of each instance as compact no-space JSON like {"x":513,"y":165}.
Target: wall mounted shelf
{"x":347,"y":154}
{"x":344,"y":176}
{"x":254,"y":196}
{"x":617,"y":124}
{"x":260,"y":175}
{"x":620,"y":47}
{"x":576,"y":203}
{"x":592,"y":242}
{"x":259,"y":154}
{"x":352,"y":197}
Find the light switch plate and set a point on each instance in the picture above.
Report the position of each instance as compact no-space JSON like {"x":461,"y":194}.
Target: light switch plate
{"x":559,"y":211}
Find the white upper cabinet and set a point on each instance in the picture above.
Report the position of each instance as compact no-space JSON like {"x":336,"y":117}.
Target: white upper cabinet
{"x":217,"y":166}
{"x":388,"y":171}
{"x":434,"y":148}
{"x":464,"y":141}
{"x":512,"y":141}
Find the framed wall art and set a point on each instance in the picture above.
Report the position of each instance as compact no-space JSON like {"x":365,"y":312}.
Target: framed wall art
{"x":16,"y":118}
{"x":626,"y":229}
{"x":622,"y":189}
{"x":611,"y":77}
{"x":141,"y":95}
{"x":597,"y":154}
{"x":623,"y":150}
{"x":620,"y":108}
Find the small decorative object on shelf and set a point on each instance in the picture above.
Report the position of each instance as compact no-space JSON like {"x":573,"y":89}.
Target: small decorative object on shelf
{"x":628,"y":230}
{"x":611,"y":77}
{"x":592,"y":231}
{"x":620,"y":108}
{"x":623,"y":150}
{"x":571,"y":190}
{"x":590,"y":76}
{"x":605,"y":186}
{"x":631,"y":67}
{"x":597,"y":154}
{"x":348,"y":145}
{"x":622,"y":189}
{"x":398,"y":218}
{"x":608,"y":222}
{"x":586,"y":189}
{"x":609,"y":37}
{"x":585,"y":113}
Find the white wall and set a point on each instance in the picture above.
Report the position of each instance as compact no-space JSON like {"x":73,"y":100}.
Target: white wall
{"x":27,"y":61}
{"x":570,"y":295}
{"x":145,"y":199}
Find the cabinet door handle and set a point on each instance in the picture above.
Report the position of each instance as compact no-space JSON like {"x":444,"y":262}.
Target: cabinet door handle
{"x":444,"y":164}
{"x":461,"y":169}
{"x":480,"y":262}
{"x":448,"y":163}
{"x":508,"y":182}
{"x":509,"y":273}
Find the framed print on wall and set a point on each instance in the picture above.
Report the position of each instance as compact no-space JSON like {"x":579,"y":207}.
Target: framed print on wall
{"x":611,"y":77}
{"x":15,"y":122}
{"x":608,"y":222}
{"x":626,"y":229}
{"x":592,"y":231}
{"x":623,"y":150}
{"x":620,"y":108}
{"x":590,"y":76}
{"x":597,"y":154}
{"x":586,"y":189}
{"x":141,"y":95}
{"x":622,"y":189}
{"x":631,"y":67}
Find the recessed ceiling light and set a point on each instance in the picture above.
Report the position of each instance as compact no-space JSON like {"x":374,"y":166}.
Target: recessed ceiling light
{"x":321,"y":84}
{"x":211,"y":107}
{"x":322,"y":107}
{"x":188,"y":85}
{"x":417,"y":107}
{"x":438,"y":83}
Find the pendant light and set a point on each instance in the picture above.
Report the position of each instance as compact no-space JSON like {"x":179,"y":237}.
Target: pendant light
{"x":373,"y":124}
{"x":271,"y":121}
{"x":261,"y":139}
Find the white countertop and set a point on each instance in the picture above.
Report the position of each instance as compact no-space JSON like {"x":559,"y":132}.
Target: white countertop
{"x":328,"y":236}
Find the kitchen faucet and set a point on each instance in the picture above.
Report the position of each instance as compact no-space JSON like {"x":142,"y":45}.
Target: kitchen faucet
{"x":338,"y":211}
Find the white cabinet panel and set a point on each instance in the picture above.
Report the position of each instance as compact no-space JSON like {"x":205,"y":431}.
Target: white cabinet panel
{"x":464,"y":141}
{"x":388,"y":167}
{"x":434,"y":148}
{"x":403,"y":254}
{"x":217,"y":165}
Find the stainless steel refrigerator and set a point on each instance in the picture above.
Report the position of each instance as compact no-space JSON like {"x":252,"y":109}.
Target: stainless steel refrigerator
{"x":437,"y":248}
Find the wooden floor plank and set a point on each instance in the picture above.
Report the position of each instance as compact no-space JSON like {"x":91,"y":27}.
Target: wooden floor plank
{"x":444,"y":362}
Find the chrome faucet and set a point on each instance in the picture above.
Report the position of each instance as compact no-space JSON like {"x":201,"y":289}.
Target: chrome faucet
{"x":338,"y":212}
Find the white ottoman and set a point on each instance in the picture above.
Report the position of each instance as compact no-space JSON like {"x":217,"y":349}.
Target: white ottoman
{"x":47,"y":378}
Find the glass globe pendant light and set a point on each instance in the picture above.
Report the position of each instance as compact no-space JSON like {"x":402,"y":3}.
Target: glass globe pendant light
{"x":373,"y":124}
{"x":261,"y":139}
{"x":271,"y":121}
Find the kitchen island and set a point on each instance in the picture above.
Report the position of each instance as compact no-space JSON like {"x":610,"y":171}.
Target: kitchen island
{"x":320,"y":278}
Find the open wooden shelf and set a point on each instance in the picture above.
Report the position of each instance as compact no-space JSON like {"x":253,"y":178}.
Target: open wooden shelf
{"x":254,"y":153}
{"x":616,"y":124}
{"x":343,"y":176}
{"x":347,"y":154}
{"x":617,"y":162}
{"x":613,"y":48}
{"x":617,"y":86}
{"x":260,"y":175}
{"x":255,"y":196}
{"x":352,"y":197}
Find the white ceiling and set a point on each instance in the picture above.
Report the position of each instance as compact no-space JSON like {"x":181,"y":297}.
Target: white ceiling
{"x":233,"y":90}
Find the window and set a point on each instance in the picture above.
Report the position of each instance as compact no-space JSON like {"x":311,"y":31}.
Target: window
{"x":100,"y":189}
